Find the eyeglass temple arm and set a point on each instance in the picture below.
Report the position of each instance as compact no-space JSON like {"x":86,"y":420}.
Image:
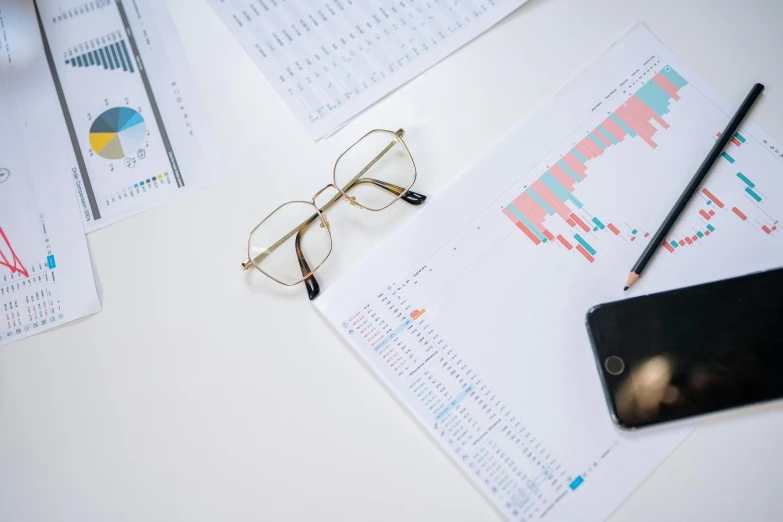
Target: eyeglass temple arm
{"x":313,"y":288}
{"x":414,"y":198}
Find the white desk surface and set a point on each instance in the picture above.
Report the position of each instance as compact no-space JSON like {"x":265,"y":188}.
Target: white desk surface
{"x":204,"y":394}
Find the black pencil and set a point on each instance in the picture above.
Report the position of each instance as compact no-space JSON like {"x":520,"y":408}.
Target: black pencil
{"x":704,"y":169}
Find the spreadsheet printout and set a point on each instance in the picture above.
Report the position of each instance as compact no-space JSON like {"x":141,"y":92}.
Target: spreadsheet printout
{"x":331,"y":60}
{"x":473,"y":312}
{"x":139,"y":134}
{"x":46,"y":276}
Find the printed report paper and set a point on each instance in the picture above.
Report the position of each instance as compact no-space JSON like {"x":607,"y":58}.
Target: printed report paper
{"x":473,"y":313}
{"x":331,"y":60}
{"x":132,"y":115}
{"x":46,"y":276}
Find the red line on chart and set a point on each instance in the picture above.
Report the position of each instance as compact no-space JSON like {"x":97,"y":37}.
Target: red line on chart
{"x":17,"y":267}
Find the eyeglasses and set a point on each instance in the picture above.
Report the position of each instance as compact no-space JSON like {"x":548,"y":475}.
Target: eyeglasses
{"x":377,"y":170}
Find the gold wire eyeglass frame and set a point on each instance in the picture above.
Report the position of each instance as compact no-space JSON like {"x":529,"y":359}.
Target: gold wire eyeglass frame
{"x":404,"y":193}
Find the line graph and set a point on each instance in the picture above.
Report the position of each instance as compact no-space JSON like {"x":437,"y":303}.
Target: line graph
{"x":14,"y":264}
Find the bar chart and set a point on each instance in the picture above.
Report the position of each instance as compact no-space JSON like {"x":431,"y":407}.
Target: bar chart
{"x":112,"y":56}
{"x":553,"y":192}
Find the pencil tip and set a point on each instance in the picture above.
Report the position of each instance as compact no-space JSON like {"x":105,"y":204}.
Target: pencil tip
{"x":625,"y":288}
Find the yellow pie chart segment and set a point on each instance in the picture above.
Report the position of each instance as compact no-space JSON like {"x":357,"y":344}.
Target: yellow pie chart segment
{"x":99,"y":140}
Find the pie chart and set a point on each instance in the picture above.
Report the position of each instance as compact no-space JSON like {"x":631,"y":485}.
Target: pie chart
{"x":117,"y":133}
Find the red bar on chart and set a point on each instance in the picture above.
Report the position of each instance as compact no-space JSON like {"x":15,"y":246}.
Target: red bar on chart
{"x":712,"y":197}
{"x":603,"y":138}
{"x":646,"y":234}
{"x":737,"y":211}
{"x":548,"y":235}
{"x":668,"y":87}
{"x":668,"y":247}
{"x":614,"y":229}
{"x":584,"y":252}
{"x":704,"y":214}
{"x":682,"y":243}
{"x":576,"y":165}
{"x":638,"y":115}
{"x":712,"y":212}
{"x":580,"y":223}
{"x":596,"y":148}
{"x":617,"y":131}
{"x":564,"y":242}
{"x":706,"y":232}
{"x":563,"y":177}
{"x":633,"y":238}
{"x":766,"y":229}
{"x":528,"y":233}
{"x":736,"y":142}
{"x":695,"y":238}
{"x":584,"y":151}
{"x":530,"y":209}
{"x":571,"y":222}
{"x":588,"y":148}
{"x":553,"y":201}
{"x":688,"y":240}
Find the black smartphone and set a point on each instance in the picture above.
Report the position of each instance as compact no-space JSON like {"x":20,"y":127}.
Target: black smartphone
{"x":690,"y":351}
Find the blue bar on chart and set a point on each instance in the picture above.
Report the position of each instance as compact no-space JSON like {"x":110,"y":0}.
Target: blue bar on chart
{"x":576,"y":483}
{"x":122,"y":60}
{"x":111,"y":56}
{"x":726,"y":155}
{"x":748,"y":182}
{"x":585,"y":244}
{"x":606,"y":134}
{"x":753,"y":194}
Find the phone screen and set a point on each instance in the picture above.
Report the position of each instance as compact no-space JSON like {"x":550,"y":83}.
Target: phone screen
{"x":690,"y":351}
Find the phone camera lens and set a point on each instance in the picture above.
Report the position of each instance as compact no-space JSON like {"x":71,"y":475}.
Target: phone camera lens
{"x":614,"y":365}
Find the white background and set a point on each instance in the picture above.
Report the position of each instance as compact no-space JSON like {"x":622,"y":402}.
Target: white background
{"x":205,"y":393}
